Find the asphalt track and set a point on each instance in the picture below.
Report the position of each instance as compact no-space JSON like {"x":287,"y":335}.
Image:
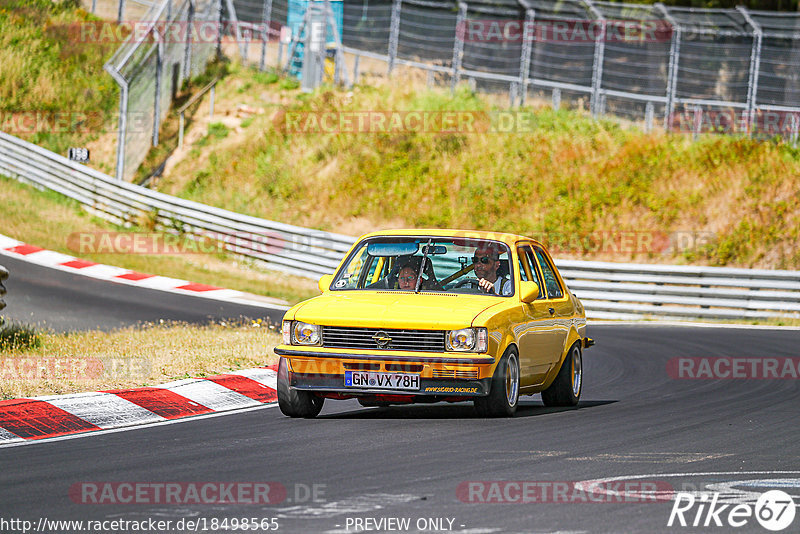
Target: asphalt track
{"x":62,"y":301}
{"x":634,"y":422}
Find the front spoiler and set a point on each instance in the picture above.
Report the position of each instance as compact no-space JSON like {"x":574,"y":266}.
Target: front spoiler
{"x":387,"y":356}
{"x":427,"y":386}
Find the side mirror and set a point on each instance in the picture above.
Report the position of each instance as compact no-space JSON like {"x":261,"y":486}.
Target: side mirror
{"x":325,"y":282}
{"x":528,"y":291}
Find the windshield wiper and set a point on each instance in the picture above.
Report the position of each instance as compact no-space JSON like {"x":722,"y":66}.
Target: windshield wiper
{"x":422,"y":265}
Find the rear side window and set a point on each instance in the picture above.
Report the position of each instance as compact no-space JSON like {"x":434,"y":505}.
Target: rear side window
{"x":528,"y":265}
{"x":550,"y":279}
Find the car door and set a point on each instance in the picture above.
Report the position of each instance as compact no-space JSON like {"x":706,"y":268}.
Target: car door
{"x":560,"y":306}
{"x":538,"y":336}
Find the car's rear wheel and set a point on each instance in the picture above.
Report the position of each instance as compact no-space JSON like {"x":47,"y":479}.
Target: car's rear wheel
{"x":566,"y":388}
{"x":293,"y":402}
{"x":504,"y":392}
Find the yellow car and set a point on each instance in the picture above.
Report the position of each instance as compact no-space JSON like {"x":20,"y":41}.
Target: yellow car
{"x":435,"y":315}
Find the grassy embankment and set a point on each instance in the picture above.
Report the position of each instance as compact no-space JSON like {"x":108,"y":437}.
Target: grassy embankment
{"x":567,"y":176}
{"x":53,"y":89}
{"x":132,"y":357}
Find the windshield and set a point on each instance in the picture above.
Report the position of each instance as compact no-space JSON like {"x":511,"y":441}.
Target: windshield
{"x":428,"y":264}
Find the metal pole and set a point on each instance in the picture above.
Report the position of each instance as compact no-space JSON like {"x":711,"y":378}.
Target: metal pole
{"x":94,"y":6}
{"x":355,"y":68}
{"x":394,"y":32}
{"x":120,"y":11}
{"x":525,"y":57}
{"x":674,"y":58}
{"x":159,"y":82}
{"x":123,"y":119}
{"x":219,"y":29}
{"x":211,"y":106}
{"x":186,"y":74}
{"x":180,"y":131}
{"x":266,"y":20}
{"x":458,"y":45}
{"x":755,"y":66}
{"x":599,"y":56}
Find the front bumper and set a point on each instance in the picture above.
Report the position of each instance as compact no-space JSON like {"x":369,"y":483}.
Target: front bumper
{"x":388,"y":356}
{"x":427,"y":386}
{"x":441,"y":374}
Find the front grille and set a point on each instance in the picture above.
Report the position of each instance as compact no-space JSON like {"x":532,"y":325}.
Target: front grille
{"x":383,"y":339}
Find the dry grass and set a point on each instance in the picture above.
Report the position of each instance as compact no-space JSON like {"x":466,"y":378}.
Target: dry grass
{"x":133,"y":357}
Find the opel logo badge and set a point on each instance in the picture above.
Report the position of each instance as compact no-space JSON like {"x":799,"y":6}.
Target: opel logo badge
{"x":382,"y":339}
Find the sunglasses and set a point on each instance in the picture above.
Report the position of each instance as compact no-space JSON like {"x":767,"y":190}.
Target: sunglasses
{"x":407,"y":278}
{"x":484,"y":260}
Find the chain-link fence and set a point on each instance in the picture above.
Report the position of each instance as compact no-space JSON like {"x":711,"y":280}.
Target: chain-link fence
{"x":688,"y":70}
{"x":167,"y":42}
{"x":684,"y":69}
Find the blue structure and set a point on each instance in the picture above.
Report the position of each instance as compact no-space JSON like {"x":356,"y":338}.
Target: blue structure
{"x":294,"y":20}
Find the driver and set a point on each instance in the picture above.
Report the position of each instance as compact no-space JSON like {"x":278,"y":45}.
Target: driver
{"x":407,"y":278}
{"x":487,"y":261}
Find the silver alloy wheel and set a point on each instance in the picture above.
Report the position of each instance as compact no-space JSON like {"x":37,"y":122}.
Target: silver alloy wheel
{"x":512,"y":379}
{"x":577,"y":371}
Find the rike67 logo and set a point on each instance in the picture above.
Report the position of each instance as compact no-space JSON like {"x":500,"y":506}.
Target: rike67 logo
{"x":774,"y":510}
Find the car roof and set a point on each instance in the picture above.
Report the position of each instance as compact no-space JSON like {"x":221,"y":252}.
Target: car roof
{"x":509,"y":239}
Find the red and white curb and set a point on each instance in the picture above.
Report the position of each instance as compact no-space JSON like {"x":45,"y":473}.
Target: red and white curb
{"x":56,"y":260}
{"x":59,"y":415}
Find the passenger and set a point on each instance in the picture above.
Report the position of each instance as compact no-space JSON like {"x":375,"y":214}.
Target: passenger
{"x":487,"y":261}
{"x":407,"y":279}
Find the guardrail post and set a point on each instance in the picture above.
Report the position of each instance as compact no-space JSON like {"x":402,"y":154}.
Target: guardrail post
{"x":672,"y":68}
{"x":458,"y":45}
{"x":556,"y":97}
{"x":755,"y":66}
{"x":525,"y":56}
{"x":394,"y":33}
{"x":794,"y":128}
{"x":649,"y":112}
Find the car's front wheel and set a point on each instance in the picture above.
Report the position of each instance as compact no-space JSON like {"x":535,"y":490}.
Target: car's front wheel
{"x":504,"y":393}
{"x":566,"y":388}
{"x":293,"y":402}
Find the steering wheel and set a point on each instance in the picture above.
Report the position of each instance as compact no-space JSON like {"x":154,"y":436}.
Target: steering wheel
{"x":471,"y":281}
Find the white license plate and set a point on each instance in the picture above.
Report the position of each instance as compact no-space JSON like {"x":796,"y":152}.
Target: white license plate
{"x":366,"y":379}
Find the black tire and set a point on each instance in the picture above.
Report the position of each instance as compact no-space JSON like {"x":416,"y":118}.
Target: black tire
{"x":504,"y":392}
{"x":566,"y":388}
{"x":293,"y":402}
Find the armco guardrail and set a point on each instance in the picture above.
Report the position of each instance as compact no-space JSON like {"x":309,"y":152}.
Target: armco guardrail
{"x":282,"y":246}
{"x":609,"y":290}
